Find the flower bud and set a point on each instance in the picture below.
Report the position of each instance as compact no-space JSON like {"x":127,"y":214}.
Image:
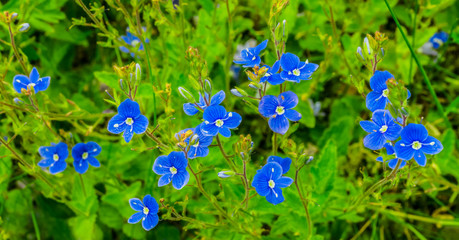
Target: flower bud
{"x":138,"y":72}
{"x":367,"y":43}
{"x":310,"y":159}
{"x":24,"y":27}
{"x":226,"y":174}
{"x":236,"y":93}
{"x":186,"y":94}
{"x":359,"y":51}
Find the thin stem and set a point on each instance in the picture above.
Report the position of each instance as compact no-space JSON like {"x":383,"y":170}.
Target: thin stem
{"x":304,"y":201}
{"x":16,"y":52}
{"x":246,"y":198}
{"x":423,"y":72}
{"x":35,"y":225}
{"x":229,"y":47}
{"x":82,"y":185}
{"x":413,"y":40}
{"x":275,"y":144}
{"x":227,"y":158}
{"x":439,"y":221}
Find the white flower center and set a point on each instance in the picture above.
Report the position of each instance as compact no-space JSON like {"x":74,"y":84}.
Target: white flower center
{"x":296,"y":72}
{"x":85,"y":155}
{"x":135,"y":43}
{"x":383,"y":129}
{"x":219,"y":123}
{"x":31,"y":85}
{"x":416,"y":145}
{"x":129,"y":121}
{"x":280,"y":110}
{"x":55,"y":157}
{"x":254,"y":57}
{"x":271,"y":184}
{"x":385,"y":92}
{"x":268,"y":74}
{"x":173,"y":170}
{"x":146,"y":210}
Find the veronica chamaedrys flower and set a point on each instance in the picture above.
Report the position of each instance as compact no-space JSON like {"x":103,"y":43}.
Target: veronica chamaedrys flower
{"x":134,"y":41}
{"x":416,"y":142}
{"x":279,"y":110}
{"x":249,"y":56}
{"x":378,"y":98}
{"x":200,"y":143}
{"x":54,"y":157}
{"x":128,"y":120}
{"x":382,"y":128}
{"x":294,"y":70}
{"x":271,"y":75}
{"x":147,"y":212}
{"x":84,"y":154}
{"x":438,"y":39}
{"x":32,"y":81}
{"x":191,"y":109}
{"x":172,"y":168}
{"x":391,"y":151}
{"x":268,"y":182}
{"x":217,"y":120}
{"x":283,"y":162}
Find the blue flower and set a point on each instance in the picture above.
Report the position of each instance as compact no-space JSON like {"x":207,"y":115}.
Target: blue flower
{"x":134,"y":41}
{"x":279,"y":110}
{"x":32,"y":81}
{"x":193,"y":108}
{"x":84,"y":154}
{"x":294,"y":70}
{"x":283,"y":162}
{"x":249,"y":56}
{"x":128,"y":120}
{"x":377,"y":99}
{"x":268,"y":182}
{"x":217,"y":120}
{"x":147,"y":212}
{"x":201,"y":143}
{"x":438,"y":39}
{"x":172,"y":168}
{"x":54,"y":157}
{"x":271,"y":75}
{"x":381,"y":129}
{"x":416,"y":142}
{"x":391,"y":151}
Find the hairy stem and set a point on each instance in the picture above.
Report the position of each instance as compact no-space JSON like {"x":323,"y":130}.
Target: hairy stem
{"x":304,"y":201}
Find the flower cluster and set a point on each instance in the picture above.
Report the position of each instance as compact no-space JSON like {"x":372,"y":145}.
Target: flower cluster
{"x":277,"y":109}
{"x":128,"y":120}
{"x":33,"y":81}
{"x":133,"y":41}
{"x":83,"y":154}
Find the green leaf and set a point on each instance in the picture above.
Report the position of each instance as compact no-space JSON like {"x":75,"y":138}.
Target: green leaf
{"x":324,"y":171}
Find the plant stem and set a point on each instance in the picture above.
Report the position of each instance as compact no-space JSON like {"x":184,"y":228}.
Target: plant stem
{"x":439,"y":221}
{"x":304,"y":201}
{"x":35,"y":225}
{"x":16,"y":52}
{"x":274,"y":144}
{"x":227,"y":158}
{"x":82,"y":185}
{"x":229,"y":47}
{"x":423,"y":72}
{"x":410,"y":77}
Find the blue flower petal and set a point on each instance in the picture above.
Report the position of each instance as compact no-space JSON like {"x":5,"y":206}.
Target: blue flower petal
{"x":34,"y":75}
{"x":379,"y":79}
{"x":140,"y":124}
{"x":47,"y":152}
{"x":117,"y":124}
{"x":129,"y":108}
{"x":283,"y":182}
{"x":369,"y":126}
{"x":45,"y":162}
{"x":393,"y":163}
{"x":374,"y":141}
{"x":275,"y":79}
{"x":217,"y":98}
{"x":309,"y":68}
{"x":414,"y":132}
{"x":162,"y":165}
{"x":431,"y":146}
{"x":254,"y":62}
{"x":260,"y":47}
{"x":288,"y":99}
{"x":420,"y":158}
{"x":375,"y":101}
{"x":272,"y":170}
{"x":379,"y":159}
{"x":393,"y":132}
{"x":93,"y":148}
{"x":58,"y":166}
{"x":124,"y":49}
{"x":275,"y":196}
{"x":404,"y":152}
{"x":275,"y":68}
{"x":136,"y":217}
{"x":136,"y":204}
{"x":213,"y":113}
{"x":78,"y":150}
{"x":268,"y":105}
{"x":209,"y":129}
{"x":178,"y":160}
{"x":190,"y":109}
{"x":151,"y":204}
{"x":284,"y":162}
{"x":279,"y":124}
{"x":292,"y":115}
{"x":225,"y":132}
{"x":20,"y":82}
{"x":42,"y":84}
{"x":180,"y":180}
{"x":289,"y":62}
{"x":195,"y":152}
{"x":80,"y":166}
{"x":260,"y":183}
{"x":128,"y":133}
{"x":389,"y":148}
{"x":62,"y":150}
{"x":93,"y":162}
{"x":150,"y":221}
{"x":379,"y":117}
{"x":165,"y":179}
{"x":233,"y":121}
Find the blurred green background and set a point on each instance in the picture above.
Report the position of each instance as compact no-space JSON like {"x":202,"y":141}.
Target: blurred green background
{"x":63,"y":42}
